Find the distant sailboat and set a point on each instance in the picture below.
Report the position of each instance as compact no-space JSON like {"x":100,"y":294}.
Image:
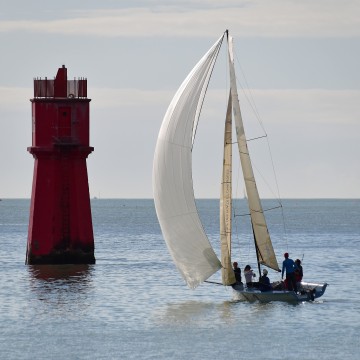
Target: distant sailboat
{"x":183,"y":232}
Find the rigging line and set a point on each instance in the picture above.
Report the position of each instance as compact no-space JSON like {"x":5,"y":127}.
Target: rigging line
{"x":244,"y":254}
{"x":253,"y":106}
{"x":214,"y":282}
{"x":212,"y":64}
{"x":226,"y":77}
{"x":259,"y":211}
{"x":257,"y":114}
{"x":278,"y":190}
{"x":236,"y":195}
{"x":269,"y":209}
{"x":251,"y":99}
{"x":277,"y":194}
{"x":257,"y":250}
{"x":273,"y":169}
{"x":251,"y":102}
{"x":273,"y":208}
{"x":238,"y":215}
{"x":267,"y":184}
{"x":256,"y":138}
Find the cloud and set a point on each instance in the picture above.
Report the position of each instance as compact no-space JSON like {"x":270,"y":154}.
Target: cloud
{"x":296,"y":105}
{"x":306,"y":129}
{"x":107,"y":98}
{"x":262,"y":18}
{"x":13,"y":97}
{"x":309,"y":105}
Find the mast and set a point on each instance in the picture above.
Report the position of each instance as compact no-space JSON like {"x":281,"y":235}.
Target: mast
{"x":227,"y":272}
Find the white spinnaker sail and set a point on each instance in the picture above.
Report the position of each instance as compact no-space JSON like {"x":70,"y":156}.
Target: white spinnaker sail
{"x":172,"y":177}
{"x":264,"y":248}
{"x":227,"y":272}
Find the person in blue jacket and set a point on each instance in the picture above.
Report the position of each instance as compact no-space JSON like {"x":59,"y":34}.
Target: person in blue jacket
{"x":289,"y":266}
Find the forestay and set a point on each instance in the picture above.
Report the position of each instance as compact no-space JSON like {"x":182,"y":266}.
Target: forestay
{"x":172,"y":177}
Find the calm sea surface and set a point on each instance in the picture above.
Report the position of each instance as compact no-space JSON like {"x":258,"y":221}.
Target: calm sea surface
{"x":133,"y":304}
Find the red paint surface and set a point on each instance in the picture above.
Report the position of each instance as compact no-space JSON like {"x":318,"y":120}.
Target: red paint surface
{"x":60,"y":226}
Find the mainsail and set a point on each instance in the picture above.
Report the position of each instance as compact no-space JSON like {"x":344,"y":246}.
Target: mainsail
{"x":172,"y":177}
{"x":264,"y":248}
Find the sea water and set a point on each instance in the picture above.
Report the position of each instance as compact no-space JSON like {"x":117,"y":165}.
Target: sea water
{"x":133,"y":304}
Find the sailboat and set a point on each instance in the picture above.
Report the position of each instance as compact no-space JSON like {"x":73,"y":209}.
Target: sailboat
{"x":173,"y":190}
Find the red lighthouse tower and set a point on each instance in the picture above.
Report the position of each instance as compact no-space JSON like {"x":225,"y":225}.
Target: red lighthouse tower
{"x":60,"y":227}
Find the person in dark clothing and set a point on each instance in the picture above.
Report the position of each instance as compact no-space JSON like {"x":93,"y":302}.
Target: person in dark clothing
{"x":264,"y":283}
{"x":298,"y":270}
{"x":289,"y":266}
{"x":237,"y":272}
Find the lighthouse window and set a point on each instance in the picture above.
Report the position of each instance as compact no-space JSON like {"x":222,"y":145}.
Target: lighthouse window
{"x":64,"y":125}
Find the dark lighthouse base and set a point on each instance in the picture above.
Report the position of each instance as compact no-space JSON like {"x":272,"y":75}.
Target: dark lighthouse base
{"x":62,"y":257}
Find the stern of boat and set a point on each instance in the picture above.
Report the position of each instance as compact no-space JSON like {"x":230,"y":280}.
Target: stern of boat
{"x":314,"y":289}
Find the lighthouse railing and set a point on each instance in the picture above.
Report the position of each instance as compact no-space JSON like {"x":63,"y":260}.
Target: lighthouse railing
{"x":45,"y":88}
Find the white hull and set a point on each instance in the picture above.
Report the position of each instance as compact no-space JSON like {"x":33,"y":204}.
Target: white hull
{"x":309,"y":292}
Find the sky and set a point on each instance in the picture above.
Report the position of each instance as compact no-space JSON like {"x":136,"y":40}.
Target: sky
{"x":300,"y":60}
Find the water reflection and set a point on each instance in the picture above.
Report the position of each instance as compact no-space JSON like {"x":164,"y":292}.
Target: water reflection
{"x":209,"y":314}
{"x":71,"y":272}
{"x":61,"y":287}
{"x":186,"y":312}
{"x":199,"y":313}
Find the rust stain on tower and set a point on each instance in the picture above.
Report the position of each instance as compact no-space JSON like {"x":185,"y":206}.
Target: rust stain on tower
{"x":60,"y":226}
